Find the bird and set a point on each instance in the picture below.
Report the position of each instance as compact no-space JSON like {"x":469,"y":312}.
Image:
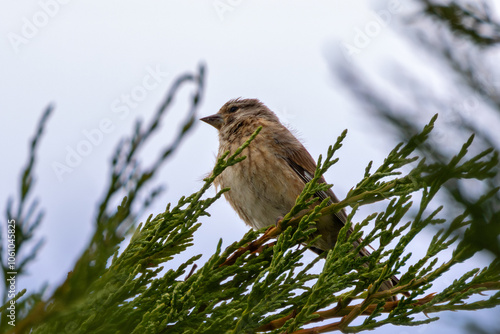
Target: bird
{"x":265,"y":185}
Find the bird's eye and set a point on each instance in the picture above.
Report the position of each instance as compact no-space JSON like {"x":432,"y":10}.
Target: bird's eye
{"x":233,"y":109}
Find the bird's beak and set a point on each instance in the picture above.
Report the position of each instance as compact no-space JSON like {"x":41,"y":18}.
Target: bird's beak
{"x":214,"y":120}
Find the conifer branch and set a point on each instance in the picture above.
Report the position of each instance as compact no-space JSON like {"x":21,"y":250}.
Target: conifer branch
{"x":257,"y":285}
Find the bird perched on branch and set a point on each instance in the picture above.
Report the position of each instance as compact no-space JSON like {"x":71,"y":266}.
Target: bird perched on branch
{"x":266,"y":184}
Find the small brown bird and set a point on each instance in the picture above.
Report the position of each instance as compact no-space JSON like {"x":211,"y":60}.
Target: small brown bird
{"x":266,"y":184}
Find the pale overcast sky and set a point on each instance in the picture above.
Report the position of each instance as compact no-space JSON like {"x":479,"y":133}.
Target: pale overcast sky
{"x":87,"y":57}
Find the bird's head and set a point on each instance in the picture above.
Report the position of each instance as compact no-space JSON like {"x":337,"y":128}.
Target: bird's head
{"x":238,"y":111}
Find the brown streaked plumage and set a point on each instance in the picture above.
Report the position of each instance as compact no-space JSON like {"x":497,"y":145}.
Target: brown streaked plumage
{"x":266,"y":184}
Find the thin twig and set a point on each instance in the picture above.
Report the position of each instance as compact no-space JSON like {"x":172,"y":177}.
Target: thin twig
{"x":339,"y":311}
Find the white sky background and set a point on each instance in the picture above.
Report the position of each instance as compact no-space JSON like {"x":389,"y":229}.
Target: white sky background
{"x":90,"y":53}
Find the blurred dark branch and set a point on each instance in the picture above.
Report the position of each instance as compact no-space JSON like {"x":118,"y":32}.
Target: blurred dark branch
{"x":471,"y":68}
{"x":460,"y":48}
{"x":126,"y":173}
{"x":470,"y":21}
{"x":127,"y":181}
{"x":123,"y":162}
{"x":27,"y":219}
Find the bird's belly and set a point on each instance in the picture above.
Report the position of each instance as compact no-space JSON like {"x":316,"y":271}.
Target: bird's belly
{"x":258,"y":196}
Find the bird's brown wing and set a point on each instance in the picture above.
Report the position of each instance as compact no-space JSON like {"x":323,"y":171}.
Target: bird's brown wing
{"x":304,"y":165}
